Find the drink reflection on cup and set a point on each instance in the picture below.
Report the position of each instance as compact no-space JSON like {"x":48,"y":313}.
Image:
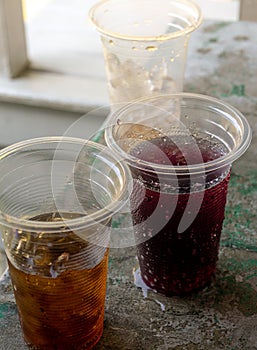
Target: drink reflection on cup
{"x":57,"y":198}
{"x":180,"y":153}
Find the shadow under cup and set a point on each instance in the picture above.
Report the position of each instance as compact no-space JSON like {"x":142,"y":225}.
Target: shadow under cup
{"x":57,"y":197}
{"x":179,"y":148}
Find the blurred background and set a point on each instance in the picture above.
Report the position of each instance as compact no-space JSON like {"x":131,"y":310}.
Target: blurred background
{"x":219,"y":9}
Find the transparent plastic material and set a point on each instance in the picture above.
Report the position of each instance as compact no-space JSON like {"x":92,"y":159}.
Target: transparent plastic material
{"x":145,"y":45}
{"x":180,"y":153}
{"x":3,"y":262}
{"x":57,"y":197}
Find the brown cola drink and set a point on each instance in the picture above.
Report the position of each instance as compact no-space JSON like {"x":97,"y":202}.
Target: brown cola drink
{"x":60,"y":287}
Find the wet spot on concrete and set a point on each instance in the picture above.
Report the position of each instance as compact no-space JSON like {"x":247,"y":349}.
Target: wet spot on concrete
{"x":204,"y":50}
{"x":241,"y":38}
{"x":213,"y":40}
{"x":212,"y":28}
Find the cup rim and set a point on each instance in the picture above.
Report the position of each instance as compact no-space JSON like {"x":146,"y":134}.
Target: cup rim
{"x":114,"y":34}
{"x":79,"y":223}
{"x":182,"y":170}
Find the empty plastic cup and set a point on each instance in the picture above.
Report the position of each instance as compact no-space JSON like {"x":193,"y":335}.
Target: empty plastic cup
{"x":145,"y":45}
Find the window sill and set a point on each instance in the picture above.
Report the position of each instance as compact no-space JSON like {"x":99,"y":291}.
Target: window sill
{"x":55,"y":90}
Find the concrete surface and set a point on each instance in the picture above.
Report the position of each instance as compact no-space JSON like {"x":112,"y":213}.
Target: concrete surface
{"x":222,"y":63}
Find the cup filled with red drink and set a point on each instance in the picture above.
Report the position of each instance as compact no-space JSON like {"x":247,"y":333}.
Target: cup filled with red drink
{"x":180,"y":153}
{"x":57,"y":197}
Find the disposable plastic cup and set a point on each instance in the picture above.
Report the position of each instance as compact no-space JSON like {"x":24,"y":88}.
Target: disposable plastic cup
{"x":57,"y":197}
{"x":180,"y":154}
{"x":144,"y":45}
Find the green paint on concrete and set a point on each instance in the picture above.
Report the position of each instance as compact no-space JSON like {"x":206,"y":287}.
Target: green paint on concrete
{"x":227,"y":293}
{"x":244,"y":185}
{"x":238,"y":261}
{"x":239,"y":229}
{"x":246,"y":268}
{"x":117,"y":222}
{"x":236,"y":90}
{"x":212,"y":28}
{"x":4,"y":309}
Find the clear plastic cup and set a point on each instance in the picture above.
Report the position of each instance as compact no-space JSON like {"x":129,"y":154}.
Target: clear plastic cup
{"x":57,"y":197}
{"x":145,"y":45}
{"x":180,"y":154}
